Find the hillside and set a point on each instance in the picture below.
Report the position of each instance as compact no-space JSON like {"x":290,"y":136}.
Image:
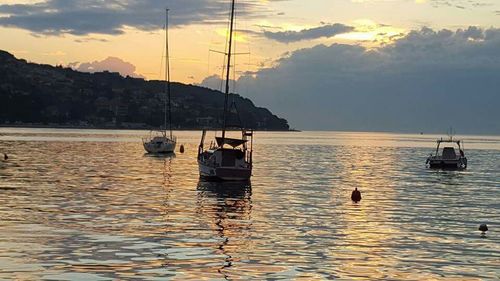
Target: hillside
{"x":44,"y":95}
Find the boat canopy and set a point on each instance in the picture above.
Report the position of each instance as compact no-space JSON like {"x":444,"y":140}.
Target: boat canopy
{"x":232,"y":142}
{"x":449,"y":141}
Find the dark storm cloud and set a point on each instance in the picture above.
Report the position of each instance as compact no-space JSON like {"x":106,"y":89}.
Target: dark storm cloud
{"x":328,"y":30}
{"x":426,"y":81}
{"x":55,"y":17}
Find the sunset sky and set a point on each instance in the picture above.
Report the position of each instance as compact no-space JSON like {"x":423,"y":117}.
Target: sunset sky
{"x":327,"y":44}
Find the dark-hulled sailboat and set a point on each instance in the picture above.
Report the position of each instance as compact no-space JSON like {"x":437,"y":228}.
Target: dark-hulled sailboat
{"x":227,"y":159}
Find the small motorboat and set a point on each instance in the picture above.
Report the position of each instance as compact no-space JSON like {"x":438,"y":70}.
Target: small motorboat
{"x":448,"y":159}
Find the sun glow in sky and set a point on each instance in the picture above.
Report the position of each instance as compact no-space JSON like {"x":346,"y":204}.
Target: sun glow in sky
{"x":266,"y":29}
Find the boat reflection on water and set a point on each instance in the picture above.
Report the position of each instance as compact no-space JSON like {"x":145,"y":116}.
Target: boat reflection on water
{"x":448,"y":177}
{"x":227,"y":207}
{"x":167,"y":156}
{"x":224,"y":190}
{"x":165,"y":159}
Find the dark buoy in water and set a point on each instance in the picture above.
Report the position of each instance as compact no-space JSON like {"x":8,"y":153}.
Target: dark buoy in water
{"x":356,"y":195}
{"x":5,"y":157}
{"x":483,"y":227}
{"x":182,"y":148}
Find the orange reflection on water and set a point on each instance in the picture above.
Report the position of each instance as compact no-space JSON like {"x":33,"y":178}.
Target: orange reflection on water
{"x":365,"y":253}
{"x":94,"y":208}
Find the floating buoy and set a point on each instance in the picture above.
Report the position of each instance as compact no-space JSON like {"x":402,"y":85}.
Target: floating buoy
{"x":483,"y":227}
{"x":356,"y":195}
{"x":5,"y":157}
{"x":182,"y":148}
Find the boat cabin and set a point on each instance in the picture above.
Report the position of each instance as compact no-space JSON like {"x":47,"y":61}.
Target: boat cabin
{"x":225,"y":157}
{"x":449,"y":152}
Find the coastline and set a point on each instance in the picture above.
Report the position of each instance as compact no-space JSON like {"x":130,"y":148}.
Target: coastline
{"x":88,"y":127}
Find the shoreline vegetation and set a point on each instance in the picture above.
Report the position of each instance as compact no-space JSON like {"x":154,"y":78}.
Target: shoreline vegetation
{"x":77,"y":127}
{"x":37,"y":95}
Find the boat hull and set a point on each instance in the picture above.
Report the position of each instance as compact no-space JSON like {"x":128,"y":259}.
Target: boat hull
{"x":224,"y":173}
{"x":159,"y":148}
{"x":447,"y":164}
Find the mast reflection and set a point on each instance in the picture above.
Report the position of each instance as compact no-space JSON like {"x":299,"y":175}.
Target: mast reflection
{"x":228,"y":206}
{"x":166,"y":170}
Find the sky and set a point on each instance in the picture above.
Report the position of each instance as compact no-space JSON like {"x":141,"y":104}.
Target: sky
{"x":376,"y":65}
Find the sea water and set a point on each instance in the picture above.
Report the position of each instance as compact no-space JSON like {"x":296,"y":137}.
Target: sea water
{"x":90,"y":205}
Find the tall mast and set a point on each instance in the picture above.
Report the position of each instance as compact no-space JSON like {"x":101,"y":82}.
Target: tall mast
{"x":228,"y":73}
{"x":167,"y":79}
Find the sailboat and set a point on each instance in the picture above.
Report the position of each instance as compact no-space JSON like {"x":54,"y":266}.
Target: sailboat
{"x":227,"y":159}
{"x":163,"y":141}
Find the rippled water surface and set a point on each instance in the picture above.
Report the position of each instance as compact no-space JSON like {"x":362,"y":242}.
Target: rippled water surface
{"x":89,"y":205}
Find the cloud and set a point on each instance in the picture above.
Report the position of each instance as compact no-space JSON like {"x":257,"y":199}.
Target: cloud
{"x":460,"y":4}
{"x":426,"y":81}
{"x":213,"y":82}
{"x":55,"y":54}
{"x":111,"y":64}
{"x":56,"y":17}
{"x":328,"y":30}
{"x":91,"y":39}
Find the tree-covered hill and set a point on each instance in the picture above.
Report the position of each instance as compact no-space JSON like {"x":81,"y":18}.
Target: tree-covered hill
{"x":44,"y":95}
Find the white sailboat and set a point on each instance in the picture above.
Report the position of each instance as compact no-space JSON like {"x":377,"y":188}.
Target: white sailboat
{"x":227,"y":159}
{"x":163,"y":141}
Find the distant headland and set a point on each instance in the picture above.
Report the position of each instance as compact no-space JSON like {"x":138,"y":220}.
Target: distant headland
{"x":35,"y":95}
